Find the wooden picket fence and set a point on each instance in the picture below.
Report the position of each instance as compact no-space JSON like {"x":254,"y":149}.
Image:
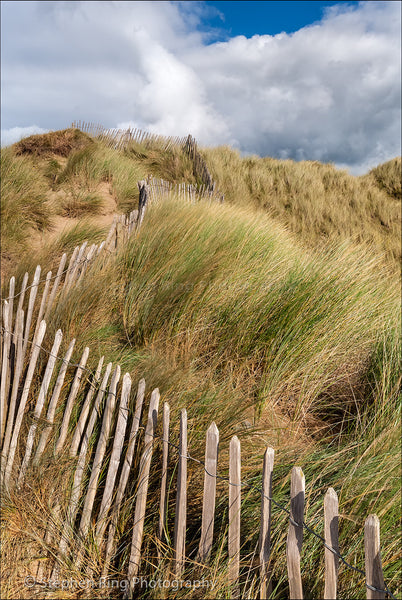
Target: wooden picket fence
{"x":121,"y":138}
{"x":55,"y":286}
{"x":200,"y":168}
{"x":117,"y":442}
{"x":110,"y":464}
{"x":160,"y":189}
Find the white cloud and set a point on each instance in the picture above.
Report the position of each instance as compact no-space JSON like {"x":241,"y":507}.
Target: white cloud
{"x":15,"y":134}
{"x":329,"y":92}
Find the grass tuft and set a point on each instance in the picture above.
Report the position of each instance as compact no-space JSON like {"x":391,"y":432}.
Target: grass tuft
{"x":79,"y":203}
{"x":389,"y":177}
{"x":60,"y":143}
{"x":24,"y":204}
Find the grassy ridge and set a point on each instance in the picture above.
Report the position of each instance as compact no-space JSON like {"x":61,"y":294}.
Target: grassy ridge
{"x":317,"y":201}
{"x":218,"y":309}
{"x":245,"y":323}
{"x":313,"y":200}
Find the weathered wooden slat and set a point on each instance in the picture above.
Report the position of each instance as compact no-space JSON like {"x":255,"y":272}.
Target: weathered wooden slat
{"x":208,"y":503}
{"x":118,"y":441}
{"x":331,"y":529}
{"x":70,"y":400}
{"x":42,"y":304}
{"x":10,"y":300}
{"x":265,"y":527}
{"x":295,"y":533}
{"x":86,"y":260}
{"x":100,"y":453}
{"x":181,"y":499}
{"x":79,"y":428}
{"x":70,"y":268}
{"x":133,"y":220}
{"x":109,"y":243}
{"x":162,"y":534}
{"x":23,"y":401}
{"x":143,"y":200}
{"x":76,"y":266}
{"x":372,"y":558}
{"x":22,"y":294}
{"x":40,"y":403}
{"x":124,"y":473}
{"x":119,"y":233}
{"x":19,"y":329}
{"x":55,"y":287}
{"x":5,"y":367}
{"x":31,"y":303}
{"x":234,"y":513}
{"x":143,"y":477}
{"x":51,"y":410}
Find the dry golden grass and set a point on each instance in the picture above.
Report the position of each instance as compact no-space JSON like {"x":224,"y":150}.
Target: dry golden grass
{"x":59,"y":143}
{"x":389,"y":177}
{"x":316,"y":201}
{"x":267,"y":315}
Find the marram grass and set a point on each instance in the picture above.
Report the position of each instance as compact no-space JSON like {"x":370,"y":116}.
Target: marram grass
{"x":317,"y":201}
{"x":231,"y":318}
{"x":240,"y":321}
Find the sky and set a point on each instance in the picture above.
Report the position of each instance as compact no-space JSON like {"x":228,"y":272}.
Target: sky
{"x":297,"y":80}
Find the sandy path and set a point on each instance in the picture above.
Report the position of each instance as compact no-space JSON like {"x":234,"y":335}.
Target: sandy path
{"x":62,"y":224}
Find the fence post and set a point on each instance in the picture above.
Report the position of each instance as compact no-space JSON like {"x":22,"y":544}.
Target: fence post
{"x":143,"y":200}
{"x":10,"y":300}
{"x":265,"y":527}
{"x":208,"y":503}
{"x":331,"y":528}
{"x":140,"y":505}
{"x":76,"y":265}
{"x":295,"y":533}
{"x":5,"y":367}
{"x":12,"y":341}
{"x":165,"y":461}
{"x":234,"y":513}
{"x":372,"y":555}
{"x":87,"y":259}
{"x":110,"y":240}
{"x":181,"y":499}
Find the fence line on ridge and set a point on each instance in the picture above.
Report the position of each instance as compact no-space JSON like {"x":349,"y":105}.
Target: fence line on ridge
{"x":122,"y":138}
